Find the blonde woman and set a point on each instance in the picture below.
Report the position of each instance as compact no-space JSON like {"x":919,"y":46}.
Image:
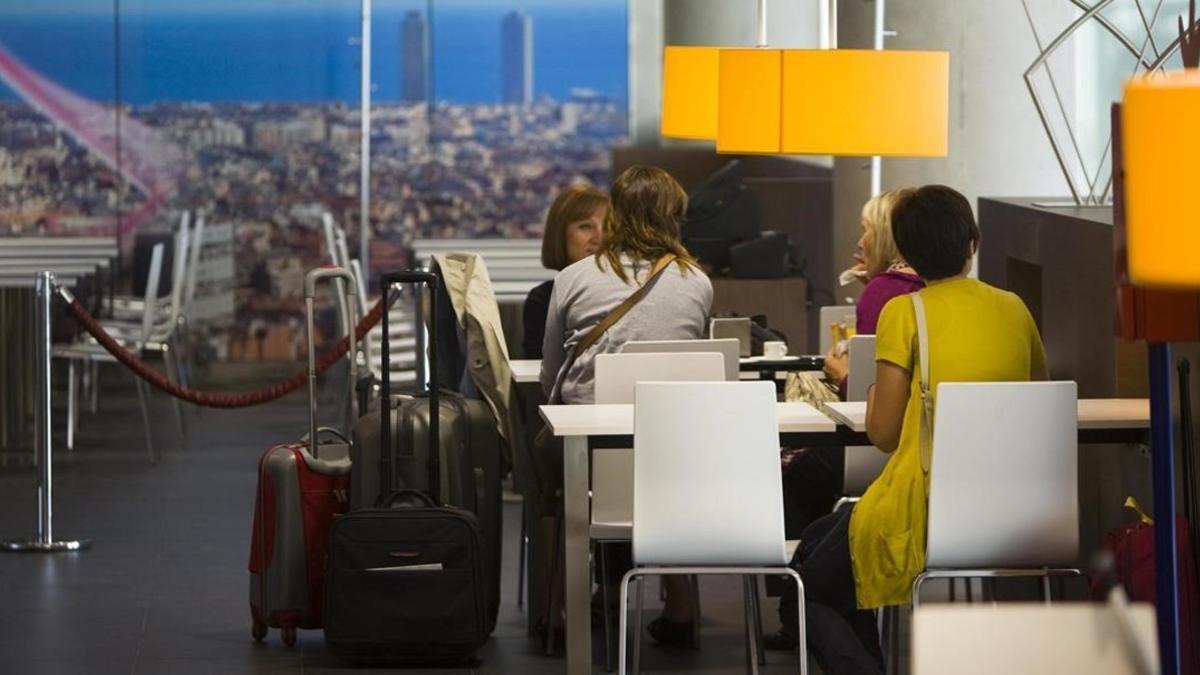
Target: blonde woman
{"x":887,"y":274}
{"x":574,"y":231}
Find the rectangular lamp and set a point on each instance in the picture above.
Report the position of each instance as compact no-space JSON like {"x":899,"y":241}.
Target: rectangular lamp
{"x":689,"y":95}
{"x":1161,"y":153}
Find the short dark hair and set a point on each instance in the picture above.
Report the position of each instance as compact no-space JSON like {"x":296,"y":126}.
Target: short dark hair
{"x":934,"y":229}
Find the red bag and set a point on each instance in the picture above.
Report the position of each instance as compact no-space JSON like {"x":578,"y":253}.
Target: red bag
{"x":1132,"y":548}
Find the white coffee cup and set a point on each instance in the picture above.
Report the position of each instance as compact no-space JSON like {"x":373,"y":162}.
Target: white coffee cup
{"x":774,"y":349}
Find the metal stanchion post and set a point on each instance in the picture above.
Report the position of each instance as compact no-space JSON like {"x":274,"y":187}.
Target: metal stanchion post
{"x":45,"y":533}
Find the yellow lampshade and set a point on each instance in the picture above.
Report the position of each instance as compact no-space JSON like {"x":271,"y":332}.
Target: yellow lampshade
{"x":689,"y":96}
{"x":1161,"y":152}
{"x":833,"y":102}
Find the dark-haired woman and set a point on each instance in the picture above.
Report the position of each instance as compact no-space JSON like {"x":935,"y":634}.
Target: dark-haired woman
{"x":855,"y":561}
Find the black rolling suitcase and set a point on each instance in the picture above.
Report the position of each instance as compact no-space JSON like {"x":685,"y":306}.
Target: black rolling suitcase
{"x":411,"y":579}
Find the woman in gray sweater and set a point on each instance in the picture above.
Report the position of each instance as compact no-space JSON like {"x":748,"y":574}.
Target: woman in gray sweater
{"x":648,"y":208}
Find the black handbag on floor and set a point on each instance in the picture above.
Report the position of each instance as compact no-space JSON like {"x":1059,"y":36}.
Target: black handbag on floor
{"x":406,"y":579}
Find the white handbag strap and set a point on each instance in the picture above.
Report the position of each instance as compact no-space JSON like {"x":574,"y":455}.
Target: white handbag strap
{"x":926,"y":432}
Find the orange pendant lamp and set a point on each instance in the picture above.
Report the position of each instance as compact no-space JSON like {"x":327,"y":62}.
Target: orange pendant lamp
{"x":808,"y":101}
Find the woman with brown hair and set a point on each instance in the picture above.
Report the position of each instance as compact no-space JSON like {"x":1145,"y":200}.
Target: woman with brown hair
{"x":642,"y":229}
{"x":574,"y":230}
{"x":641,"y":248}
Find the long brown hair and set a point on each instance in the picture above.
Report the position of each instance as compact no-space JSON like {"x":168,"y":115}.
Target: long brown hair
{"x":648,"y":208}
{"x":572,"y":205}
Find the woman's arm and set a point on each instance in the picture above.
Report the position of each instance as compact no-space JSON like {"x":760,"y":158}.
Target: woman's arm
{"x":887,"y":400}
{"x":553,"y":350}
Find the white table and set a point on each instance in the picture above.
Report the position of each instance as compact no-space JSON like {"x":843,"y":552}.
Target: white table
{"x":585,"y":426}
{"x":525,"y":370}
{"x":581,"y":426}
{"x":1101,"y":420}
{"x":529,"y":370}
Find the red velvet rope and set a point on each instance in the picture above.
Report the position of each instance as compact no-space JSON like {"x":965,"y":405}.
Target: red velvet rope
{"x":210,"y":400}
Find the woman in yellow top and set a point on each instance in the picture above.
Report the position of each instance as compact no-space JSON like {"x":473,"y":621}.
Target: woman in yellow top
{"x":855,"y":561}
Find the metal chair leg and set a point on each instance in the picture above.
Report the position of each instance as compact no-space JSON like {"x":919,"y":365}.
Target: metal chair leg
{"x":758,"y":626}
{"x":608,"y":642}
{"x":623,"y":622}
{"x":752,"y":639}
{"x":694,"y":592}
{"x":173,"y":375}
{"x":72,"y":404}
{"x":637,"y":626}
{"x":1047,"y":594}
{"x":141,"y":388}
{"x":522,"y":551}
{"x":95,"y":393}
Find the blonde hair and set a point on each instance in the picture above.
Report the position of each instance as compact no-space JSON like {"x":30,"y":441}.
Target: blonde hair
{"x":648,"y":208}
{"x":877,"y":213}
{"x":572,"y":205}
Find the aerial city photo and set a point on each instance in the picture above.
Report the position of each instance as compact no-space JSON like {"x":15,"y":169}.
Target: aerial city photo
{"x":248,"y":112}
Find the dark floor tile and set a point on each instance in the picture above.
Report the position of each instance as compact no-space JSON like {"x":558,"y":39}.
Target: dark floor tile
{"x":67,"y":666}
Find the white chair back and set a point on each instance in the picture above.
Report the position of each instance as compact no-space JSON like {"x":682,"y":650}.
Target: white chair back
{"x":863,"y":462}
{"x":831,"y":314}
{"x":150,"y":299}
{"x":737,"y":328}
{"x":1003,"y":479}
{"x":707,"y":484}
{"x":617,"y":376}
{"x":727,"y":347}
{"x":194,"y":251}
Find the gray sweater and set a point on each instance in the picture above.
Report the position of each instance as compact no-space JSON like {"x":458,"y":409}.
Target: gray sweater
{"x":676,"y":308}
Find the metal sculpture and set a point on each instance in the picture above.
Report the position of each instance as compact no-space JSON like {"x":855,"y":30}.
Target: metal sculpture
{"x":1095,"y":188}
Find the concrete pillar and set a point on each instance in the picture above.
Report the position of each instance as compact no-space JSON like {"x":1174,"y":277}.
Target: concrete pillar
{"x":997,"y":144}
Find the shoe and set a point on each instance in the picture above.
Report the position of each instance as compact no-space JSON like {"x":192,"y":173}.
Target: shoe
{"x":782,"y":641}
{"x":672,"y":633}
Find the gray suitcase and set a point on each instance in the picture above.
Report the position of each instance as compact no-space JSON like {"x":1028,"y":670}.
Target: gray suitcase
{"x":302,"y":487}
{"x":469,"y":476}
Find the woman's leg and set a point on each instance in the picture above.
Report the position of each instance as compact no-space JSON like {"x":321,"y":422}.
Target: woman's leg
{"x":843,"y":638}
{"x":811,"y":485}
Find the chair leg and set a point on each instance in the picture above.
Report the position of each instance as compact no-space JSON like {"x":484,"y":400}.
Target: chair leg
{"x":522,"y":551}
{"x":608,"y":642}
{"x":72,"y":404}
{"x":758,"y":626}
{"x":916,"y":591}
{"x":141,"y":388}
{"x":694,"y":592}
{"x":623,"y":622}
{"x":637,"y":626}
{"x":95,"y":393}
{"x":969,"y":591}
{"x":173,"y":375}
{"x":1047,"y":595}
{"x":801,"y":628}
{"x":751,"y":626}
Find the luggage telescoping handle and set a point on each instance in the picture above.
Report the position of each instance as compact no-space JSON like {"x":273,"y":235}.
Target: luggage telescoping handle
{"x":385,"y":418}
{"x":310,"y":289}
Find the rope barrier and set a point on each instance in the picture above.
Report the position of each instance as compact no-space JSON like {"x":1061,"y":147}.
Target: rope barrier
{"x":207,"y":399}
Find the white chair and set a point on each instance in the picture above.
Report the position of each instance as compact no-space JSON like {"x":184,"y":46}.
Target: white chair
{"x":862,"y":462}
{"x":1003,"y":492}
{"x":616,"y":378}
{"x":727,"y":347}
{"x":91,"y":352}
{"x":737,"y":328}
{"x":832,"y":314}
{"x":693,"y":441}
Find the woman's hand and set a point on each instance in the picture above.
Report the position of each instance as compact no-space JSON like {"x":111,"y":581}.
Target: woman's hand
{"x":837,"y":365}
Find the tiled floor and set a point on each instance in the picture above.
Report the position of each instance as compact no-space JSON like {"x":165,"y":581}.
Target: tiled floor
{"x":164,"y":588}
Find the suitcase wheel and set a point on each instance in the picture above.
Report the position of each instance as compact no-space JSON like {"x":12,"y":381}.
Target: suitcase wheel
{"x":289,"y":635}
{"x":259,"y":631}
